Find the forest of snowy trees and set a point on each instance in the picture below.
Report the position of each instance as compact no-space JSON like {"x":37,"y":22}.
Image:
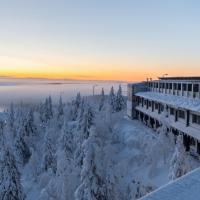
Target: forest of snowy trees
{"x":66,"y":150}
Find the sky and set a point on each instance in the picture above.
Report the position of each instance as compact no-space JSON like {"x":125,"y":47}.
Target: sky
{"x":99,"y":39}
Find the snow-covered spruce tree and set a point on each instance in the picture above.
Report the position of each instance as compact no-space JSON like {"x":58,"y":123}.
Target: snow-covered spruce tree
{"x":11,"y":116}
{"x":49,"y":155}
{"x":10,"y":186}
{"x":60,"y":108}
{"x":75,"y":107}
{"x":66,"y":170}
{"x":2,"y":127}
{"x":164,"y":144}
{"x":112,"y":99}
{"x":46,"y":110}
{"x":85,"y":122}
{"x":136,"y":190}
{"x":29,"y":126}
{"x":92,"y":185}
{"x":11,"y":121}
{"x":67,"y":141}
{"x":119,"y":101}
{"x":81,"y":109}
{"x":50,"y":107}
{"x":102,"y":100}
{"x":180,"y":164}
{"x":21,"y":149}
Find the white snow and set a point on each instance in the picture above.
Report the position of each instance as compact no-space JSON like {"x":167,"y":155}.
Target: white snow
{"x":173,"y":100}
{"x":184,"y":188}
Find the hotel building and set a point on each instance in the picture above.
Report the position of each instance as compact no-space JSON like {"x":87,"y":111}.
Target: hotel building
{"x":170,"y":101}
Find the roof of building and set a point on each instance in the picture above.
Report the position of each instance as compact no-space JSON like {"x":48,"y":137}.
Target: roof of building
{"x":181,"y":78}
{"x":192,"y":104}
{"x":184,"y":188}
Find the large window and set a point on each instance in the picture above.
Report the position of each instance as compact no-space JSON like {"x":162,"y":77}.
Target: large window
{"x":175,"y":86}
{"x":181,"y":114}
{"x":196,"y":88}
{"x":184,"y":87}
{"x":189,"y":87}
{"x":195,"y":119}
{"x":179,"y":86}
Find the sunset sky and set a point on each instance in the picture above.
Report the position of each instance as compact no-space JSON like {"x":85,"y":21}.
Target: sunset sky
{"x":99,"y":39}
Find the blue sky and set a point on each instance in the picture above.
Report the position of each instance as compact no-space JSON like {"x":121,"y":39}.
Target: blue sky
{"x":141,"y":37}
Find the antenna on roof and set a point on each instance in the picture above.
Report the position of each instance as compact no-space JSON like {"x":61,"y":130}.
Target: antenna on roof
{"x":164,"y":75}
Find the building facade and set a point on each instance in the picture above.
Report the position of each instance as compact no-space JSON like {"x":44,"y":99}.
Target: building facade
{"x":170,"y":101}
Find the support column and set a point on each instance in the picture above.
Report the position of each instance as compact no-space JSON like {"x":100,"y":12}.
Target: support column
{"x":176,"y":115}
{"x":187,"y":118}
{"x":198,"y":147}
{"x":192,"y":90}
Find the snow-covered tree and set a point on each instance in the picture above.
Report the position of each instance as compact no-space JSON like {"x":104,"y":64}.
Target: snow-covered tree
{"x":75,"y":107}
{"x":29,"y":125}
{"x":46,"y":110}
{"x":119,"y":101}
{"x":60,"y":108}
{"x":22,"y":151}
{"x":67,"y":141}
{"x":49,"y":154}
{"x":112,"y":99}
{"x":102,"y":100}
{"x":11,"y":116}
{"x":86,"y":121}
{"x":50,"y":107}
{"x":10,"y":186}
{"x":164,"y":143}
{"x":180,"y":164}
{"x":136,"y":190}
{"x":92,"y":181}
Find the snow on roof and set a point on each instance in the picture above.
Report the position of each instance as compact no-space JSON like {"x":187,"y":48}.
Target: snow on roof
{"x":190,"y":78}
{"x":184,"y":188}
{"x":173,"y":100}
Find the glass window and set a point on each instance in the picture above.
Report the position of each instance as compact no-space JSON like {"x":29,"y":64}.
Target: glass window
{"x":189,"y":87}
{"x":184,"y":87}
{"x":196,"y":88}
{"x":175,"y":86}
{"x":195,"y":119}
{"x":181,"y":114}
{"x":179,"y":86}
{"x":172,"y":111}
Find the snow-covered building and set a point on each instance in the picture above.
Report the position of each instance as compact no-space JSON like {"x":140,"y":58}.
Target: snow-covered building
{"x":172,"y":101}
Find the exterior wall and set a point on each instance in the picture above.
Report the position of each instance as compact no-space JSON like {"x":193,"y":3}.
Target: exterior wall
{"x":131,"y":102}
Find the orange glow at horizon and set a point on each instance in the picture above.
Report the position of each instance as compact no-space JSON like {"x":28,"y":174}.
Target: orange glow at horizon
{"x":137,"y":71}
{"x":96,"y":73}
